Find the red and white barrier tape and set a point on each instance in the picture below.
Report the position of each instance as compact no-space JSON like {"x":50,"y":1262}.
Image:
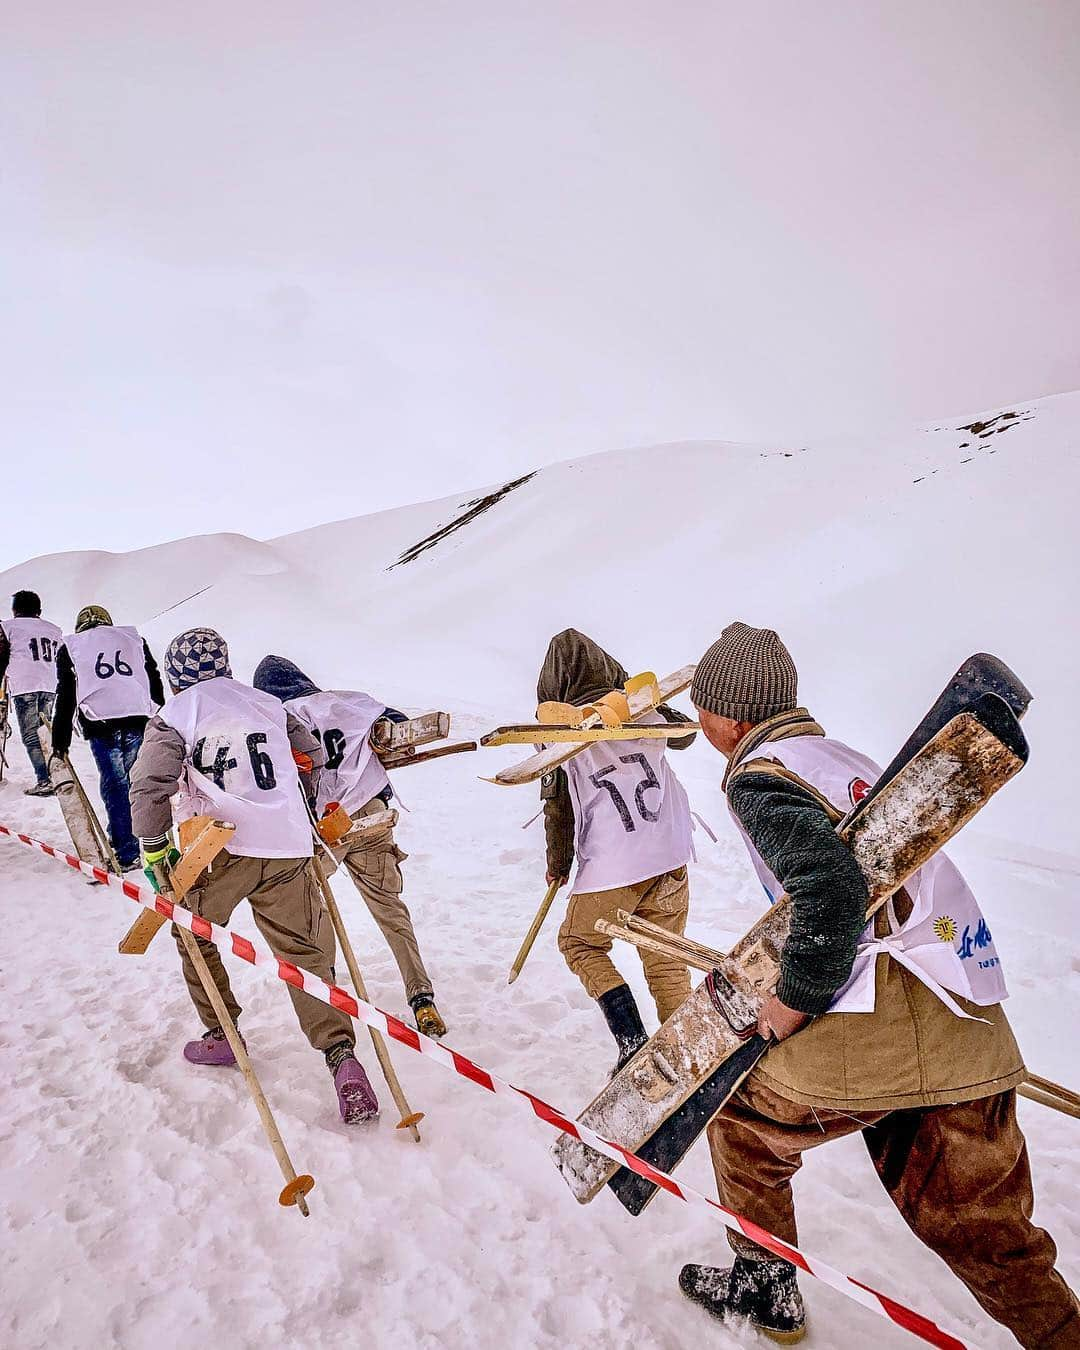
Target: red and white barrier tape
{"x":905,"y":1317}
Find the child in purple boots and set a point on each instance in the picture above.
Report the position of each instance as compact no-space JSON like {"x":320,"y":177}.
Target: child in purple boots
{"x":233,"y":753}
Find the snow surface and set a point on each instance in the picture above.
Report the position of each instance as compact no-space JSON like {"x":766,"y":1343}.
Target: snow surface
{"x":139,"y":1195}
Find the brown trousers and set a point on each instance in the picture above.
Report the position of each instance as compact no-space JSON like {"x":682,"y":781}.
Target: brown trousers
{"x":663,"y":900}
{"x":959,"y":1175}
{"x":287,"y":906}
{"x":374,"y":864}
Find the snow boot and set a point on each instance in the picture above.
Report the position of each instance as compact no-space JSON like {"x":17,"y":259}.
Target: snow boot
{"x":356,"y":1097}
{"x":624,"y":1022}
{"x":40,"y":790}
{"x":764,"y":1292}
{"x":428,"y":1020}
{"x":213,"y":1048}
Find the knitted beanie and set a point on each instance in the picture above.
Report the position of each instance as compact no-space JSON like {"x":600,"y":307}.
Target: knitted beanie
{"x":199,"y":654}
{"x":747,"y":675}
{"x":91,"y":616}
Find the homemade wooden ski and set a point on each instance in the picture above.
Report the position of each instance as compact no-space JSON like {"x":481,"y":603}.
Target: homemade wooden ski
{"x":897,"y":829}
{"x":399,"y":759}
{"x":201,"y":839}
{"x":640,"y":702}
{"x":388,"y":735}
{"x":534,"y":733}
{"x":87,"y":835}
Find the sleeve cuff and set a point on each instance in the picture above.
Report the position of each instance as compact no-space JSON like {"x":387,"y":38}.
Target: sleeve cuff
{"x":803,"y":995}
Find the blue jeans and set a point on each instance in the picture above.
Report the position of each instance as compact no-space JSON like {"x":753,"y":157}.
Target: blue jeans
{"x":30,"y":709}
{"x":114,"y":755}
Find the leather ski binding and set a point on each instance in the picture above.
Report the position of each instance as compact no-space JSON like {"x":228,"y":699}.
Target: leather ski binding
{"x":738,"y":1009}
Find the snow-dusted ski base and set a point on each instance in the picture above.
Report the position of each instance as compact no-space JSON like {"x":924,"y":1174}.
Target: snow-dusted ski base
{"x":139,"y":1196}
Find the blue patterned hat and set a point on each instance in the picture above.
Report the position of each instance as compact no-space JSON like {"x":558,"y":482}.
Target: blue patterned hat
{"x":198,"y":654}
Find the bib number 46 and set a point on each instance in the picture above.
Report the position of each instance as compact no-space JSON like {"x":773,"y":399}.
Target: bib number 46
{"x":262,"y":766}
{"x":601,"y":779}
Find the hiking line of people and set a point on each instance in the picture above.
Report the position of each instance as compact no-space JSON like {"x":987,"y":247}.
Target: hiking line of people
{"x":902,"y":1040}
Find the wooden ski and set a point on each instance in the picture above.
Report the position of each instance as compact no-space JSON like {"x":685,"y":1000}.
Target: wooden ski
{"x":535,"y":733}
{"x":76,"y":809}
{"x":400,"y":759}
{"x":201,"y":839}
{"x":388,"y":735}
{"x":641,"y":702}
{"x":902,"y":826}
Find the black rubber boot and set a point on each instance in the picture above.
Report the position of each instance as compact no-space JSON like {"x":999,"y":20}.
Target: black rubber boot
{"x":764,"y":1292}
{"x":624,"y":1022}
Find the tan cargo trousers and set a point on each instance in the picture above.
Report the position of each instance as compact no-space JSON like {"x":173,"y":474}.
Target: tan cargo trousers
{"x":959,"y":1175}
{"x":287,"y":906}
{"x":663,"y":900}
{"x":374,"y":863}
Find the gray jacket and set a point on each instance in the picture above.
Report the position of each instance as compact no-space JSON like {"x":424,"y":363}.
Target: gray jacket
{"x":155,"y":775}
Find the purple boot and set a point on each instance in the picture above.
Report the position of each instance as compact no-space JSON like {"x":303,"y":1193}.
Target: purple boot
{"x":356,"y":1097}
{"x":213,"y":1048}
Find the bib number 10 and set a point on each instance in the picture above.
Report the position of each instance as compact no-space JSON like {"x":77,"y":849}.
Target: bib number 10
{"x":601,"y":779}
{"x":262,"y":766}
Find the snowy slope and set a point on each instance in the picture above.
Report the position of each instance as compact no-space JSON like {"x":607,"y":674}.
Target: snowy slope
{"x":139,"y":1193}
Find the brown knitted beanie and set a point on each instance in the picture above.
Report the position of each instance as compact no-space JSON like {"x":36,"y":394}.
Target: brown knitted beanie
{"x":747,"y":675}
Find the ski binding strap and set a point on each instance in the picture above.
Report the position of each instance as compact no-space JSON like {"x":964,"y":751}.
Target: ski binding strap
{"x":738,"y":1009}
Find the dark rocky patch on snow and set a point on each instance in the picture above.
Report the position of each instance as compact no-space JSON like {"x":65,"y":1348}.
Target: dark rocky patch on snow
{"x":470,"y":511}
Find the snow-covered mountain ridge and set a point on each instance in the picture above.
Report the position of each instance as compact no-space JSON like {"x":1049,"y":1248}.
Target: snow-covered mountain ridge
{"x":883,"y":559}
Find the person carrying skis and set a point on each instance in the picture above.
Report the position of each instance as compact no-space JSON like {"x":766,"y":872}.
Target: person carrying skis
{"x":355,"y":778}
{"x":233,"y":753}
{"x":107,"y":675}
{"x":914,"y":1051}
{"x":28,"y":646}
{"x":620,"y":809}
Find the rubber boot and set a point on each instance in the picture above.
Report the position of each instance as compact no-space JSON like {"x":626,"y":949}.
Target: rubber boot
{"x":624,"y":1022}
{"x":356,"y":1097}
{"x":428,"y":1018}
{"x":766,"y":1293}
{"x":213,"y":1049}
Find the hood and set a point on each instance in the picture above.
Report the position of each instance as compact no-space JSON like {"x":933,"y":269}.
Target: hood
{"x":275,"y":675}
{"x":577,"y":670}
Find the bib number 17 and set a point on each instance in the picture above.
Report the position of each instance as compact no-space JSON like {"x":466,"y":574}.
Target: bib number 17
{"x":601,"y":779}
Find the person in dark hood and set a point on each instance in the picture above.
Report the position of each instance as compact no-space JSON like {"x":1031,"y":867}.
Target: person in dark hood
{"x":354,"y":777}
{"x":620,"y":809}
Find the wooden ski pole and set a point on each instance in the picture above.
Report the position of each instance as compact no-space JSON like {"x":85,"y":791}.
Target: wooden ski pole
{"x":296,"y":1187}
{"x":1056,"y":1103}
{"x":409,"y":1118}
{"x":1054,"y":1089}
{"x":534,"y":929}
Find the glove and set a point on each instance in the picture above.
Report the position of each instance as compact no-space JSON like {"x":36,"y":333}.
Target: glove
{"x":159,"y":858}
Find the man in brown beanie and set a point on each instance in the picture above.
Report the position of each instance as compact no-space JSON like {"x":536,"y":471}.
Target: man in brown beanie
{"x":917,"y":1055}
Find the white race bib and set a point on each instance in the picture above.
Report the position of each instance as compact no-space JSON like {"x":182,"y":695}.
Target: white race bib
{"x":945,"y":940}
{"x":110,"y":670}
{"x":32,"y":664}
{"x":631,"y":814}
{"x":239,"y":767}
{"x":343,"y":721}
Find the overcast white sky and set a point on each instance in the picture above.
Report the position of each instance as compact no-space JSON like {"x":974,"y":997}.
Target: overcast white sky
{"x":267,"y":264}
